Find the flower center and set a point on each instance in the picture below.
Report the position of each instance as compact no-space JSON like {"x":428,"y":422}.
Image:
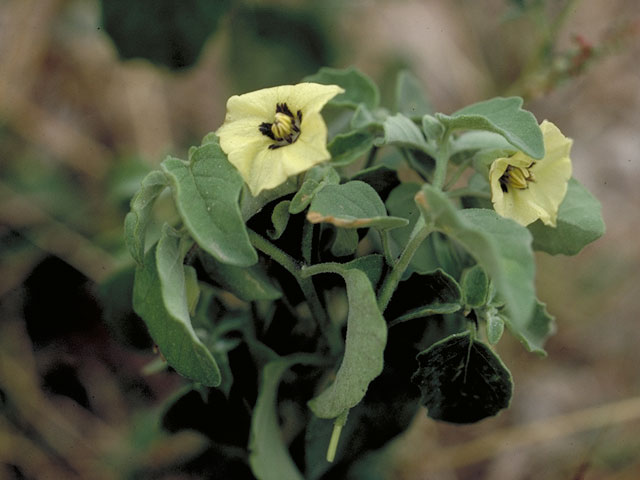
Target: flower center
{"x":517,"y":177}
{"x":285,"y":128}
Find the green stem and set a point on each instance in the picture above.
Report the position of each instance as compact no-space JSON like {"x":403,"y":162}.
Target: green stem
{"x":413,"y":163}
{"x":305,"y":283}
{"x":468,"y":192}
{"x":335,"y":436}
{"x":386,"y":248}
{"x":419,"y":233}
{"x":268,"y":248}
{"x":307,"y":240}
{"x":326,"y":267}
{"x":371,"y":157}
{"x":458,"y":173}
{"x":442,"y":159}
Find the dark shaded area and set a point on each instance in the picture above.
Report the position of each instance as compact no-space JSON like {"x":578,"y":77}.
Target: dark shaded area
{"x":462,"y":380}
{"x":59,"y":308}
{"x":163,"y":31}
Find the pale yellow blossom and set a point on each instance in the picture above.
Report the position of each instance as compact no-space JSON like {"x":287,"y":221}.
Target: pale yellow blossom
{"x":272,"y":134}
{"x":525,"y":189}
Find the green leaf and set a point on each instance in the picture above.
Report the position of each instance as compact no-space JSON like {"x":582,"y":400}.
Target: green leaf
{"x":424,"y":295}
{"x":475,"y":286}
{"x":160,"y":299}
{"x":250,"y":205}
{"x":533,"y":336}
{"x":382,"y":178}
{"x":480,"y":140}
{"x":371,"y":265}
{"x":353,"y":204}
{"x":192,"y":289}
{"x":501,"y":246}
{"x":280,"y":219}
{"x":503,"y":116}
{"x":365,"y":118}
{"x":462,"y":380}
{"x":432,"y":128}
{"x":247,"y":283}
{"x":137,"y":220}
{"x":212,"y":331}
{"x":579,"y":223}
{"x":269,"y":456}
{"x":364,"y":349}
{"x":410,"y":98}
{"x":431,"y":254}
{"x":358,"y":87}
{"x":345,"y":242}
{"x":314,"y":180}
{"x":495,"y":325}
{"x":206,"y":193}
{"x":399,"y":130}
{"x":346,"y":148}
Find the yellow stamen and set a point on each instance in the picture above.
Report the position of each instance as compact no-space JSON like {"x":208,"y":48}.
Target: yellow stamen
{"x":517,"y":177}
{"x":282,"y":126}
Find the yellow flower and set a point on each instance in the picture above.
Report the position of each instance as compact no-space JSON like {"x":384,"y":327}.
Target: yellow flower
{"x":274,"y":133}
{"x":525,"y":189}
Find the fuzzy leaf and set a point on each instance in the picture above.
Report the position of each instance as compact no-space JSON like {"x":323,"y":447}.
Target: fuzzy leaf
{"x":353,"y":204}
{"x":462,"y":380}
{"x":364,"y":349}
{"x":247,"y":283}
{"x":579,"y":223}
{"x":346,"y":148}
{"x":495,"y":325}
{"x":431,"y":294}
{"x":399,"y":130}
{"x":533,"y":336}
{"x":475,"y":286}
{"x":410,"y":98}
{"x":269,"y":456}
{"x":160,"y":299}
{"x":358,"y":87}
{"x":503,"y":116}
{"x":345,"y":242}
{"x":206,"y":194}
{"x":314,"y":180}
{"x":137,"y":220}
{"x":280,"y":219}
{"x":499,"y":245}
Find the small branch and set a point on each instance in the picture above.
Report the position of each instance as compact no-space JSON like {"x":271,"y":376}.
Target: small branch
{"x":442,"y":159}
{"x":420,"y":232}
{"x":386,"y":248}
{"x":304,"y":281}
{"x":458,"y":173}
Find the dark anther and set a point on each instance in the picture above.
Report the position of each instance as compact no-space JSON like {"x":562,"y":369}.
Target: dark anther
{"x":283,"y":108}
{"x":504,"y":180}
{"x":265,"y":129}
{"x":299,"y":114}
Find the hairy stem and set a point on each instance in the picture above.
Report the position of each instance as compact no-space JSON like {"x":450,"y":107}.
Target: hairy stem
{"x":420,"y":232}
{"x":305,"y":283}
{"x":442,"y":159}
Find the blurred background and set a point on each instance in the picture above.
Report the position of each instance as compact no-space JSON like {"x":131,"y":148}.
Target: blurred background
{"x":93,"y":95}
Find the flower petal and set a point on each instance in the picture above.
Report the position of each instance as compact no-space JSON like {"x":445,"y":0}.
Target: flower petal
{"x":235,"y":135}
{"x":311,"y":97}
{"x":556,"y":145}
{"x":310,"y":148}
{"x":544,"y":194}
